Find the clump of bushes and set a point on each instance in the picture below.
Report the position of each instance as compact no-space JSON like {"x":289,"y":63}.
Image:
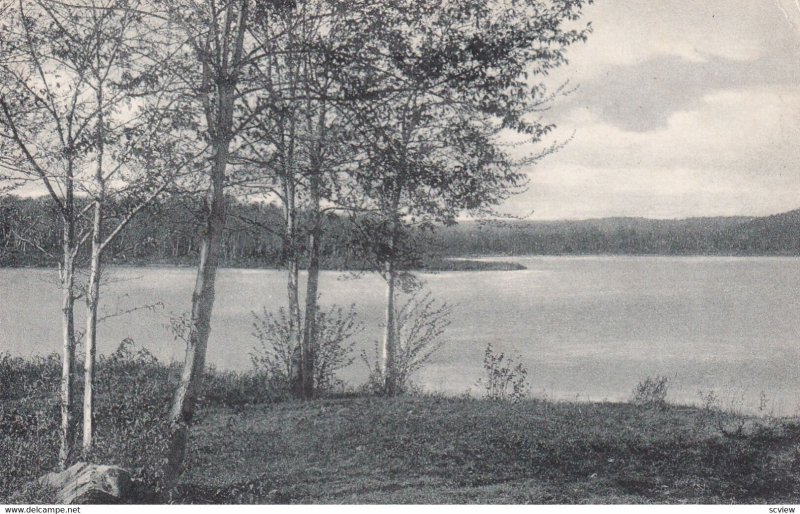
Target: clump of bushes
{"x":25,"y":377}
{"x":223,"y":388}
{"x":134,"y":391}
{"x":276,"y":355}
{"x":28,"y":442}
{"x":729,"y":417}
{"x":505,"y":377}
{"x":420,"y":324}
{"x":29,"y":418}
{"x":652,"y":392}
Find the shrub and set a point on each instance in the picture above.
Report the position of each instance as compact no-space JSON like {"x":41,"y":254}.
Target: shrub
{"x":133,"y":394}
{"x":652,"y":392}
{"x":420,"y":324}
{"x":729,"y":420}
{"x":275,"y":355}
{"x":504,"y":379}
{"x":29,"y":442}
{"x":29,"y":419}
{"x":133,"y":397}
{"x":23,"y":377}
{"x":229,"y":388}
{"x":237,"y":389}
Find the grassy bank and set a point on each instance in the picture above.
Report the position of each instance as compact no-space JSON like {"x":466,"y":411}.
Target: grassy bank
{"x":251,"y":445}
{"x":445,"y":264}
{"x":448,"y":450}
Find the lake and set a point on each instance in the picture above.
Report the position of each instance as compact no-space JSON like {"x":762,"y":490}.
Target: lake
{"x":587,"y":328}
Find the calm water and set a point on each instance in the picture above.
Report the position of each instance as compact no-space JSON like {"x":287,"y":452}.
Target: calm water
{"x":586,"y":327}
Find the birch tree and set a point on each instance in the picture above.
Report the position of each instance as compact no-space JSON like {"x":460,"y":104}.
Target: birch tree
{"x":464,"y":73}
{"x":273,"y":149}
{"x":45,"y":124}
{"x":135,"y":155}
{"x":296,"y":147}
{"x":220,"y":55}
{"x":93,"y":69}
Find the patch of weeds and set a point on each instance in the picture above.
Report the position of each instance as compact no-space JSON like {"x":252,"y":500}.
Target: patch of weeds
{"x":29,"y":443}
{"x":25,"y":377}
{"x":730,"y":421}
{"x":505,"y":377}
{"x":29,"y":419}
{"x":33,"y":493}
{"x":133,"y":396}
{"x":652,"y":392}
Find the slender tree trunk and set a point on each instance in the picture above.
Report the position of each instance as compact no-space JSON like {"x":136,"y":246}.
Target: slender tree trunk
{"x":389,"y":354}
{"x":389,"y":344}
{"x":221,"y":77}
{"x":316,"y":147}
{"x":312,"y":290}
{"x":90,"y":344}
{"x":183,"y":405}
{"x":93,"y":290}
{"x":220,"y":116}
{"x":290,"y":175}
{"x":293,"y":289}
{"x":68,"y":341}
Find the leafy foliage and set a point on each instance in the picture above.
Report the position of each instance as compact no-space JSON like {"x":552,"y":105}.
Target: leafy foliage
{"x":29,"y":417}
{"x":24,"y":377}
{"x":504,"y":378}
{"x":652,"y":392}
{"x":134,"y":391}
{"x":420,"y":325}
{"x":133,"y":397}
{"x":275,"y":354}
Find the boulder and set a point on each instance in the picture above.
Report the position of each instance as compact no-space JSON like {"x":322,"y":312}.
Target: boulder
{"x":84,"y":483}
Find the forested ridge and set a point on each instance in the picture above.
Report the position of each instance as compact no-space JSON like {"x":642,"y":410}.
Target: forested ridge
{"x":167,"y":234}
{"x":770,"y":235}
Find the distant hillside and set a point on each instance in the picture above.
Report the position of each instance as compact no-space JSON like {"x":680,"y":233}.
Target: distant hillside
{"x":771,"y":235}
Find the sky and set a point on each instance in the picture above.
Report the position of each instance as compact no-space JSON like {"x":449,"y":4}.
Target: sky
{"x":682,"y":108}
{"x":678,"y":108}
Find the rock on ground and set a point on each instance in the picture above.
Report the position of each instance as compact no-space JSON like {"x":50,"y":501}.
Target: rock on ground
{"x":84,"y":483}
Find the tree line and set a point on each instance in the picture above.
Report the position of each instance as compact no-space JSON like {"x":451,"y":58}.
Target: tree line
{"x":392,"y":114}
{"x":769,"y":235}
{"x":166,"y":233}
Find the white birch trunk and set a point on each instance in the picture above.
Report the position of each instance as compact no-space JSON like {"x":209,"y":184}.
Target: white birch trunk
{"x":93,"y":287}
{"x":90,"y":343}
{"x":389,"y":353}
{"x":312,"y":291}
{"x":67,"y":429}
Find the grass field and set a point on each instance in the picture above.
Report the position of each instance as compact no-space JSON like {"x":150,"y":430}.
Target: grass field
{"x":249,"y":446}
{"x":448,"y":450}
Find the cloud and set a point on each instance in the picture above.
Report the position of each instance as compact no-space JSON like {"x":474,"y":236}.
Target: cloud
{"x":725,"y":128}
{"x":642,"y":97}
{"x":683,"y":108}
{"x":646,"y":60}
{"x":631,"y":32}
{"x":732,"y":152}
